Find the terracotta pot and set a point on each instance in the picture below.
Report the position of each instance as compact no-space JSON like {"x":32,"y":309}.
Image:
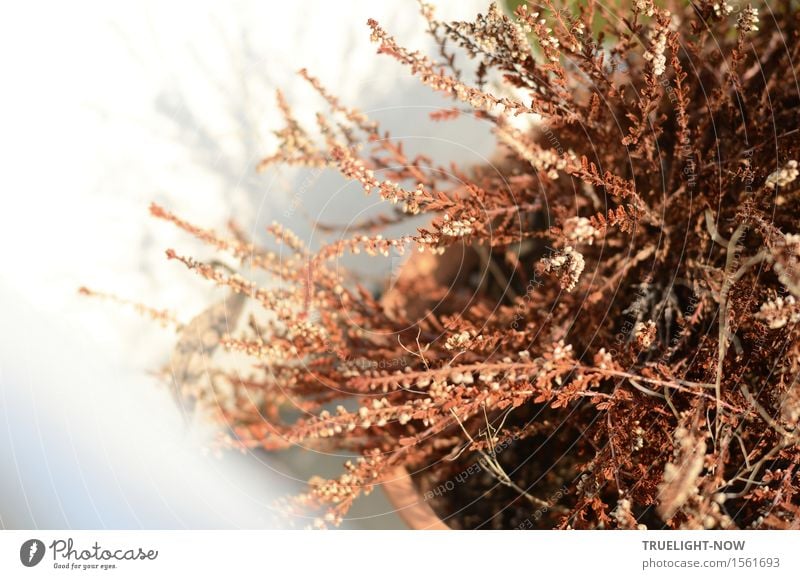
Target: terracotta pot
{"x":419,"y":277}
{"x":409,"y":503}
{"x":423,"y":274}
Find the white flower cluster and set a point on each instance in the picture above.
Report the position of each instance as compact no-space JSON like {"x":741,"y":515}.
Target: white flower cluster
{"x":603,"y":360}
{"x":658,"y":45}
{"x":568,"y":260}
{"x":552,"y":41}
{"x":458,"y":341}
{"x":638,"y":442}
{"x":552,"y":163}
{"x":392,"y":192}
{"x":747,"y":20}
{"x":496,"y":34}
{"x":722,"y":9}
{"x":783,"y":176}
{"x":561,"y":351}
{"x":580,"y":230}
{"x":780,"y":311}
{"x":429,"y":243}
{"x":645,"y":7}
{"x":457,"y":227}
{"x":579,"y":29}
{"x":645,"y":333}
{"x":411,"y":204}
{"x":792,"y":241}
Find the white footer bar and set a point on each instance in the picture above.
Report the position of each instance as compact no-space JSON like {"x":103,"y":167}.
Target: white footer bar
{"x":376,"y":554}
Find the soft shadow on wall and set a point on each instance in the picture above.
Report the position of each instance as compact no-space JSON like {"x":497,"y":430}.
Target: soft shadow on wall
{"x":158,"y":104}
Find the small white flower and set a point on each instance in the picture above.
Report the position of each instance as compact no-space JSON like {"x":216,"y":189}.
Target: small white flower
{"x":580,"y":230}
{"x":747,"y":20}
{"x":658,"y":40}
{"x":645,"y":7}
{"x":783,"y":176}
{"x":457,"y":227}
{"x":458,"y":341}
{"x":779,"y":311}
{"x":568,"y":260}
{"x":722,"y":9}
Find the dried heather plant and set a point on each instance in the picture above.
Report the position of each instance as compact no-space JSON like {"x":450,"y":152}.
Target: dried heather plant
{"x":621,"y":348}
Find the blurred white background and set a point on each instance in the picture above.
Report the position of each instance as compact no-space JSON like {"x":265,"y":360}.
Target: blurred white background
{"x":107,"y":107}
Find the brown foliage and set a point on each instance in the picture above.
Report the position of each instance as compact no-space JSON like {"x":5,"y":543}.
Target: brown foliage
{"x":628,"y":343}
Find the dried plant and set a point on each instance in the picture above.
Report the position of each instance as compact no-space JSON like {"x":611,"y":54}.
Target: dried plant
{"x":621,"y":346}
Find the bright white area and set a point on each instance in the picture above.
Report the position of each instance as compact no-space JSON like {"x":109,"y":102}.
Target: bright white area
{"x":106,"y":107}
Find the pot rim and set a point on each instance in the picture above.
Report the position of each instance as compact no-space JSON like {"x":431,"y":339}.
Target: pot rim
{"x":409,"y":505}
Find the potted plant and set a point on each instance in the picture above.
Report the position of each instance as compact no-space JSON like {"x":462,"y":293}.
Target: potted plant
{"x":598,"y":332}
